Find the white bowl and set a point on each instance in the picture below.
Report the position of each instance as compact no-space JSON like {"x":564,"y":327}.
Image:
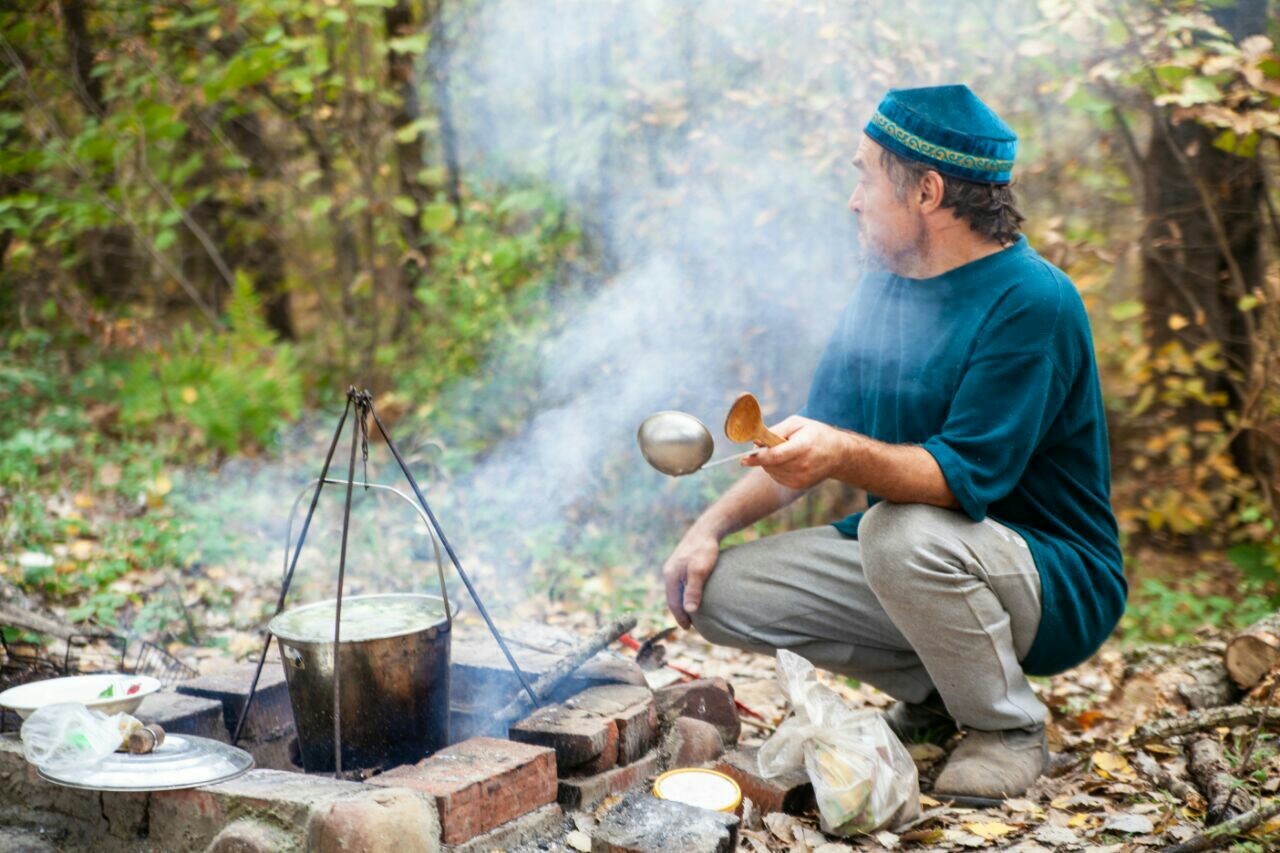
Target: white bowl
{"x":85,"y":689}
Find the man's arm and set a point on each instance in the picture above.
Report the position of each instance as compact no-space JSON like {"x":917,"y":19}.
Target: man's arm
{"x":686,"y":571}
{"x":814,"y":451}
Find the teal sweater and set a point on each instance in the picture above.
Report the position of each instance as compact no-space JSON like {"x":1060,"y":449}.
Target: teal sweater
{"x":990,"y":368}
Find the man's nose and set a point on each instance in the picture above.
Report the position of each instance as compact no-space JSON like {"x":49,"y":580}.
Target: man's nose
{"x":855,"y":201}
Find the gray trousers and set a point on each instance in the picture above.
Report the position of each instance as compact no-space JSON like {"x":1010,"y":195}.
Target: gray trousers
{"x":925,"y":598}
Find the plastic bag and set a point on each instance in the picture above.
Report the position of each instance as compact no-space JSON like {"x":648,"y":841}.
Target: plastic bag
{"x":68,"y":735}
{"x":863,"y":777}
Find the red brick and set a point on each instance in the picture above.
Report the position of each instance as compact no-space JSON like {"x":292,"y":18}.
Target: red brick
{"x":692,"y":742}
{"x":709,"y":699}
{"x":791,"y":792}
{"x":584,"y":742}
{"x":633,"y":710}
{"x":583,"y":792}
{"x":480,"y":784}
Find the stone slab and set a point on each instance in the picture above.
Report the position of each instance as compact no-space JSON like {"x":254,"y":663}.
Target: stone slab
{"x":482,"y":680}
{"x":641,"y":823}
{"x":270,"y":717}
{"x":178,"y":713}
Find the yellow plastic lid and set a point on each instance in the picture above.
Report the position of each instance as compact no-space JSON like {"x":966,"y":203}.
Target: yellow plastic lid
{"x":707,"y":789}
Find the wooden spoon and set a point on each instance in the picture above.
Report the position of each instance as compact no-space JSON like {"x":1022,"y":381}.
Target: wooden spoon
{"x":744,"y":423}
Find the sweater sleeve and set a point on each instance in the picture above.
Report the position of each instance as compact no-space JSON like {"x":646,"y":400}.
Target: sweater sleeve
{"x":1003,"y":407}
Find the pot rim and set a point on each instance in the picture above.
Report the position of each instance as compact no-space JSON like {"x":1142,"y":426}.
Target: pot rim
{"x":443,"y":622}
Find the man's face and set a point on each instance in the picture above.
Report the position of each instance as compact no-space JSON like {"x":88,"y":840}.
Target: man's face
{"x":890,"y":229}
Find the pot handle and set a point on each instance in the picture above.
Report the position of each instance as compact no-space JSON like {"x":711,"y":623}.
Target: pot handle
{"x":435,"y":543}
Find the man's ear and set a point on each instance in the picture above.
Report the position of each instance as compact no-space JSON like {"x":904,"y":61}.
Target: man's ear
{"x":930,"y":190}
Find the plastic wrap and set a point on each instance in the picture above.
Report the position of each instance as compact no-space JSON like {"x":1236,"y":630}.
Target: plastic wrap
{"x":68,"y":735}
{"x":863,"y":778}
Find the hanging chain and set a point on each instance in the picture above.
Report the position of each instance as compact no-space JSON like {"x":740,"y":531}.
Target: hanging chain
{"x":363,"y":401}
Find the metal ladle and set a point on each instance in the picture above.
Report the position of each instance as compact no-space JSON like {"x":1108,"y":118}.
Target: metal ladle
{"x":677,"y":443}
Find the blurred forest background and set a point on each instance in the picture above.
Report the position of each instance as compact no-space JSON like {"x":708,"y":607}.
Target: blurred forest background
{"x":216,"y":216}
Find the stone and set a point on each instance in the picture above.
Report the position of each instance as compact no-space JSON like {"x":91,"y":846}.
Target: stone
{"x":631,"y":707}
{"x":27,"y":799}
{"x":190,"y":818}
{"x":178,"y":713}
{"x":271,"y":715}
{"x":269,"y":729}
{"x":380,"y":820}
{"x":480,"y":784}
{"x":14,"y":839}
{"x":584,"y":792}
{"x":249,"y":836}
{"x":538,"y":824}
{"x":481,"y":679}
{"x":690,"y":743}
{"x":708,"y":699}
{"x":584,"y":742}
{"x":641,"y":823}
{"x":792,"y":792}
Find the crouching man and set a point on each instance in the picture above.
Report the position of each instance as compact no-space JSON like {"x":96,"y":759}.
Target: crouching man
{"x":960,"y":391}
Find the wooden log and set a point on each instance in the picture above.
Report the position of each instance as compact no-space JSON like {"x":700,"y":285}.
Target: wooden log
{"x":1254,"y":651}
{"x":520,"y":707}
{"x":1212,"y":776}
{"x":1163,"y":779}
{"x":30,"y":620}
{"x":1226,"y":832}
{"x":1208,"y":718}
{"x":1190,"y":677}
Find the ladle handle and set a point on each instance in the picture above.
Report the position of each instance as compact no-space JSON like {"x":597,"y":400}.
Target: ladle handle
{"x":767,"y":437}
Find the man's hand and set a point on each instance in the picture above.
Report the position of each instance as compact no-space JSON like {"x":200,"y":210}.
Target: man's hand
{"x":812,"y":452}
{"x":686,"y":572}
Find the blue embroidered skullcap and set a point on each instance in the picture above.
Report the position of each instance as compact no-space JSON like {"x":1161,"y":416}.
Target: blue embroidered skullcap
{"x":948,"y":128}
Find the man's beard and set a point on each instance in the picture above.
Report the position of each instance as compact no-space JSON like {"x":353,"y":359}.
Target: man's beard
{"x":904,"y":260}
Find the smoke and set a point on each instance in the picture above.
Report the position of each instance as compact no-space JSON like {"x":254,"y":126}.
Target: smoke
{"x":705,"y":149}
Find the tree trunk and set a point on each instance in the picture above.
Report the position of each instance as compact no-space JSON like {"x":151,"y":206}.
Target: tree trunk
{"x":410,"y":159}
{"x":1196,"y":197}
{"x":107,"y":261}
{"x":438,"y":67}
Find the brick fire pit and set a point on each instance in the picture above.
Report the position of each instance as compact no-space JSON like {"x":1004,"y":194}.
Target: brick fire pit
{"x":606,"y":734}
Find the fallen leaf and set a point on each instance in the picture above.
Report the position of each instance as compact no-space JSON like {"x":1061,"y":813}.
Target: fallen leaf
{"x":1109,"y":765}
{"x":1134,"y":824}
{"x":189,"y":395}
{"x":579,"y":840}
{"x":964,"y":839}
{"x":1056,"y":836}
{"x":990,"y":830}
{"x":887,"y":840}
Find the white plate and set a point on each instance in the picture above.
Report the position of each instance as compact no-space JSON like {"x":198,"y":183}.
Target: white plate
{"x":26,"y":698}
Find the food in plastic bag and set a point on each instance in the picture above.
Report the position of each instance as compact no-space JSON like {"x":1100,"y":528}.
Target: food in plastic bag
{"x":863,"y":777}
{"x":68,"y":735}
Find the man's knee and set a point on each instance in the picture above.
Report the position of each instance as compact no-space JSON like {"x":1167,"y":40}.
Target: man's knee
{"x":893,"y":537}
{"x":716,"y":618}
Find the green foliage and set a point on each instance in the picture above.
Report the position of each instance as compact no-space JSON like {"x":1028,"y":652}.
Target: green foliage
{"x":224,"y":391}
{"x":1161,"y":612}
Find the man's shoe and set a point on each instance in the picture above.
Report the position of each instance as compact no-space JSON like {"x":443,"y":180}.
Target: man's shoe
{"x":989,"y":766}
{"x":922,"y":722}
